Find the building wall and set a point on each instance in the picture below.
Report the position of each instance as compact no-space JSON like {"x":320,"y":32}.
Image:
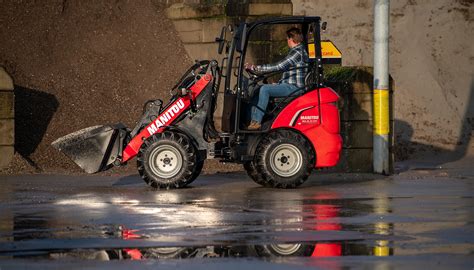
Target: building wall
{"x":431,"y":61}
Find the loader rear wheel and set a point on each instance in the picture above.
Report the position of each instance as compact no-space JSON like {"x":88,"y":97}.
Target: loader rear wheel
{"x":284,"y":159}
{"x":168,"y":160}
{"x":285,"y":250}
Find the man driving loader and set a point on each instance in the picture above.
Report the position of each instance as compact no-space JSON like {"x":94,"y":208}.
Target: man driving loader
{"x":294,"y":67}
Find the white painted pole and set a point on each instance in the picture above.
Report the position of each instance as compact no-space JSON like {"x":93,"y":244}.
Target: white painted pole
{"x":381,"y":87}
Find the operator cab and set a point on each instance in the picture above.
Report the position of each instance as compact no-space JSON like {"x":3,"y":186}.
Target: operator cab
{"x":264,"y":42}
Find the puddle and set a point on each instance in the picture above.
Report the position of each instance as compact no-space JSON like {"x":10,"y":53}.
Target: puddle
{"x":136,"y":224}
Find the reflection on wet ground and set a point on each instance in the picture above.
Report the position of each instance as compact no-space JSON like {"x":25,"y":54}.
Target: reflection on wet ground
{"x":105,"y":218}
{"x":304,"y":249}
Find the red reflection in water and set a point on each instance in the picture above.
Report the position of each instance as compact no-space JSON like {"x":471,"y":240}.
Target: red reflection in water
{"x":134,"y":254}
{"x":325,"y":215}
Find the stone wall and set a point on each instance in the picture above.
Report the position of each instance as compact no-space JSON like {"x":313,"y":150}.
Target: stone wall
{"x":354,"y":85}
{"x":7,"y":127}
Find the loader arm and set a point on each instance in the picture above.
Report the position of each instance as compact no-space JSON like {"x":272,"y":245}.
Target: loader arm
{"x":169,"y":115}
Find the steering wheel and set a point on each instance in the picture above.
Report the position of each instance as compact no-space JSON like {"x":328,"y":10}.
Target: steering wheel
{"x":255,"y":76}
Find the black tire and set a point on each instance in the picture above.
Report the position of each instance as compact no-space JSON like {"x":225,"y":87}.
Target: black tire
{"x":167,"y":253}
{"x":284,"y":159}
{"x":284,"y":250}
{"x":253,"y":174}
{"x":157,"y":155}
{"x":197,"y":171}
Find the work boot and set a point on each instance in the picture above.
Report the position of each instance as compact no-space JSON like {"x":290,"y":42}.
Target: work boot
{"x":254,"y":125}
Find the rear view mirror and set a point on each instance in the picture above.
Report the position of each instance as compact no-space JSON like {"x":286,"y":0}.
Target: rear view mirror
{"x":324,"y":26}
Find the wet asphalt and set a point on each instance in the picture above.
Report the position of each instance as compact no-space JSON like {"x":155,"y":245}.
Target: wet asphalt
{"x":420,"y":218}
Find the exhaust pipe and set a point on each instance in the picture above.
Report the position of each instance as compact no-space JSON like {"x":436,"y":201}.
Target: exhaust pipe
{"x":96,"y":148}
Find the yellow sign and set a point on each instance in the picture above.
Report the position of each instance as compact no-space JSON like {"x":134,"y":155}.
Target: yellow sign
{"x":328,"y":50}
{"x":311,"y":51}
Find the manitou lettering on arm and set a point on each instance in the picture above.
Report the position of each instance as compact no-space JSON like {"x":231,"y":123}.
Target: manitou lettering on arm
{"x":165,"y":117}
{"x":152,"y":129}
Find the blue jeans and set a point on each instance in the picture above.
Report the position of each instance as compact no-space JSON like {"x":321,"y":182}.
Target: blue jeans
{"x":267,"y":91}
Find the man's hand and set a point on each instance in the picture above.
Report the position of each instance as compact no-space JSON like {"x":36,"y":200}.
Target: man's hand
{"x":250,"y":67}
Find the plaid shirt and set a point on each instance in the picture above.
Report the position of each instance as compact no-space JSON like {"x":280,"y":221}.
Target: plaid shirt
{"x":294,"y":66}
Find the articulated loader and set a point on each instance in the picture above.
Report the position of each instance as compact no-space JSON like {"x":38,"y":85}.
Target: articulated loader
{"x":172,"y":140}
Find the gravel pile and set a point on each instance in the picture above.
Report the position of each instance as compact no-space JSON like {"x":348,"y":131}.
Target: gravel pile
{"x":83,"y":63}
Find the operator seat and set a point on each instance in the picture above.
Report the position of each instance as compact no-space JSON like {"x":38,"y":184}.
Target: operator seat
{"x":308,"y":81}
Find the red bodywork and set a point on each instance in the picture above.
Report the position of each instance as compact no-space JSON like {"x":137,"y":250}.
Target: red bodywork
{"x":317,"y":121}
{"x":165,"y":119}
{"x":320,"y":124}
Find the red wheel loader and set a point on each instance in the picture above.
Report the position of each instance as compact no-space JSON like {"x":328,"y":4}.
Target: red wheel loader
{"x":171,"y":141}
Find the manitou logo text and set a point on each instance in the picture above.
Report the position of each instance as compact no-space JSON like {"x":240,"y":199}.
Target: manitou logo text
{"x":309,"y":119}
{"x":166,"y":117}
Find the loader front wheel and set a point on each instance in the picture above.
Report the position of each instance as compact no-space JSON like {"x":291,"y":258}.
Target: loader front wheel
{"x":167,"y":160}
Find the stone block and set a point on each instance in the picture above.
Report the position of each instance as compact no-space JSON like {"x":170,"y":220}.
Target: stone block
{"x":211,"y":28}
{"x":348,"y":80}
{"x":363,"y":80}
{"x":257,"y":9}
{"x":359,"y":106}
{"x":357,"y":134}
{"x":356,"y":107}
{"x":356,"y":160}
{"x":7,"y":132}
{"x":7,"y":103}
{"x":202,"y":50}
{"x":188,"y":25}
{"x":188,"y":11}
{"x":6,"y":82}
{"x":191,"y":37}
{"x":236,"y":9}
{"x":362,"y":87}
{"x":6,"y":155}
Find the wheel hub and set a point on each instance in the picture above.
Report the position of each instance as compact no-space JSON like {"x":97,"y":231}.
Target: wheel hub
{"x":286,"y":160}
{"x":165,"y":161}
{"x":286,"y":249}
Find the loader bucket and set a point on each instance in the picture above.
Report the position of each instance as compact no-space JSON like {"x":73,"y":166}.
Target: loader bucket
{"x":94,"y":148}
